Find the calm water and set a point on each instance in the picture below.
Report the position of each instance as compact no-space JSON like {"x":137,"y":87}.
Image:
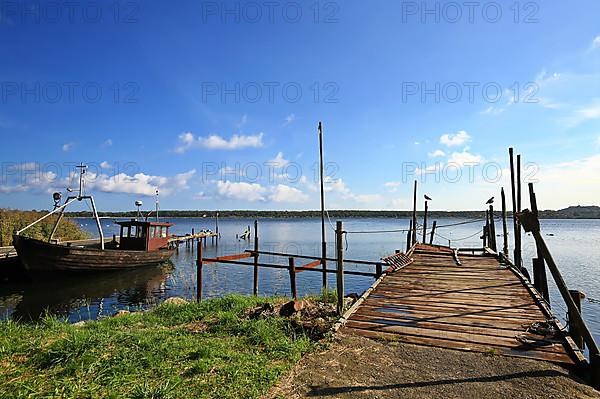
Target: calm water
{"x":574,"y":245}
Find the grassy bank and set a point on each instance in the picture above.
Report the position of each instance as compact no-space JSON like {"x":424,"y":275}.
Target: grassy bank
{"x":13,"y":220}
{"x":235,"y":347}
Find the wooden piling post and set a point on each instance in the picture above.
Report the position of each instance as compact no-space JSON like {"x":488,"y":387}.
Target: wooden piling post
{"x":486,"y":229}
{"x":255,"y":286}
{"x":414,"y":217}
{"x":378,"y":270}
{"x":432,"y":232}
{"x":340,"y":267}
{"x":504,"y":227}
{"x":492,"y":229}
{"x":540,"y":281}
{"x":199,"y":273}
{"x":292,"y":270}
{"x":574,"y":327}
{"x":409,"y":236}
{"x":425,"y":224}
{"x":517,"y":235}
{"x":323,"y":236}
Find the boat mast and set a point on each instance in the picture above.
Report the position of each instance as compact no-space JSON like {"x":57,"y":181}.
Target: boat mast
{"x":157,"y":204}
{"x":79,"y":197}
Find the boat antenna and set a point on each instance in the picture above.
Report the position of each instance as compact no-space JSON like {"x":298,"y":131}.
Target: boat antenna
{"x":157,"y":204}
{"x":82,"y":168}
{"x":139,"y":204}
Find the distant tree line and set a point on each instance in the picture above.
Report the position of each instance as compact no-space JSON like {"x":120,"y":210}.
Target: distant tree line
{"x":574,"y":212}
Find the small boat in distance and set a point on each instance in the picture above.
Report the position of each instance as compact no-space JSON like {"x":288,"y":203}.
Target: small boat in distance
{"x":140,"y":243}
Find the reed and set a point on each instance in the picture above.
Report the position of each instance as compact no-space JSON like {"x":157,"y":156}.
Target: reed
{"x":13,"y":220}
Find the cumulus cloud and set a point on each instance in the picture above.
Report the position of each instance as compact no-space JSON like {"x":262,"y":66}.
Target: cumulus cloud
{"x":187,"y":141}
{"x":279,"y":161}
{"x":107,"y":143}
{"x":67,"y":147}
{"x":596,"y":42}
{"x":464,"y":157}
{"x":454,"y":140}
{"x":437,"y":154}
{"x":283,"y":193}
{"x":251,"y":192}
{"x":392,"y":186}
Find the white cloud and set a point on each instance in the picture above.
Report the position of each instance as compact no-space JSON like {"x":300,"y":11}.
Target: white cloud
{"x":392,"y":186}
{"x":437,"y":153}
{"x":107,"y":143}
{"x":105,"y":165}
{"x":67,"y":147}
{"x":188,"y":141}
{"x":465,"y":157}
{"x":491,"y":110}
{"x":289,"y":119}
{"x":250,"y":192}
{"x":140,"y":183}
{"x":596,"y":43}
{"x":417,"y":143}
{"x":279,"y":161}
{"x":584,"y":114}
{"x":454,"y":140}
{"x":283,"y":193}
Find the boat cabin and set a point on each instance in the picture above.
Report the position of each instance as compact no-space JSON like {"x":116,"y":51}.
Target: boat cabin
{"x":143,"y":235}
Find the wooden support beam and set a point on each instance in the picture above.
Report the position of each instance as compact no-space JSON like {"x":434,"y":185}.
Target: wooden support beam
{"x":540,"y":281}
{"x":517,"y":235}
{"x":339,"y":233}
{"x":199,"y":272}
{"x":409,"y":240}
{"x":425,"y":224}
{"x":432,"y":232}
{"x":323,"y":236}
{"x":256,"y":255}
{"x":504,"y":228}
{"x":492,"y":229}
{"x":292,"y":270}
{"x":414,"y":216}
{"x":574,"y":327}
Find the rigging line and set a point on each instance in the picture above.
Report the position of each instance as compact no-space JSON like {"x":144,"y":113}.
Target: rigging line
{"x":419,"y":227}
{"x":460,"y":239}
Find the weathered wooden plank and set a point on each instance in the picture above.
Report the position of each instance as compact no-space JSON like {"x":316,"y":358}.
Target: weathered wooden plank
{"x":479,"y":305}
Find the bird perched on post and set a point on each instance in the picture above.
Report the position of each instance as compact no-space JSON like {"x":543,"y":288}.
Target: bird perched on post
{"x":490,"y":201}
{"x":427,"y":197}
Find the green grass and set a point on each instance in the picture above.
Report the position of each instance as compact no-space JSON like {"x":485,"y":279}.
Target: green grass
{"x":208,"y":350}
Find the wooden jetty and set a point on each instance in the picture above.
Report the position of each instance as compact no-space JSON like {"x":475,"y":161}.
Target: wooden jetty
{"x":461,"y":300}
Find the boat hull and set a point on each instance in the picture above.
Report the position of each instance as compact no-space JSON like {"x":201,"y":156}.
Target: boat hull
{"x":40,"y":256}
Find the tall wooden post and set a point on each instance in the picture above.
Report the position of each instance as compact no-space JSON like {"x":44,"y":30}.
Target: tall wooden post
{"x":517,"y":236}
{"x":492,"y":230}
{"x":540,"y":280}
{"x":255,"y":287}
{"x":323,"y":238}
{"x":574,"y":327}
{"x":504,"y":228}
{"x":217,"y":227}
{"x":519,"y":208}
{"x":414,"y":216}
{"x":199,"y":272}
{"x":292,"y":270}
{"x":486,"y":229}
{"x":432,"y":232}
{"x":340,"y":267}
{"x":409,"y":236}
{"x":425,"y":224}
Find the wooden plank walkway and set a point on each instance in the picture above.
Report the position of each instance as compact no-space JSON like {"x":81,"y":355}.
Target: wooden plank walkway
{"x":473,"y":304}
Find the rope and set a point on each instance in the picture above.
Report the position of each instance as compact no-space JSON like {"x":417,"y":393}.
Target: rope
{"x":419,"y":227}
{"x":461,"y":239}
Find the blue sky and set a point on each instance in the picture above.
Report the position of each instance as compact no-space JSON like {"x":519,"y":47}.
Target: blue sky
{"x":217,"y":106}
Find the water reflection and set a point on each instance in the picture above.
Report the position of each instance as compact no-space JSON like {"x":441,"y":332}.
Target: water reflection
{"x":84,"y":296}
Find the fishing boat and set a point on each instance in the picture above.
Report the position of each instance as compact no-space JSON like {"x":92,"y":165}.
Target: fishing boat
{"x":140,"y":243}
